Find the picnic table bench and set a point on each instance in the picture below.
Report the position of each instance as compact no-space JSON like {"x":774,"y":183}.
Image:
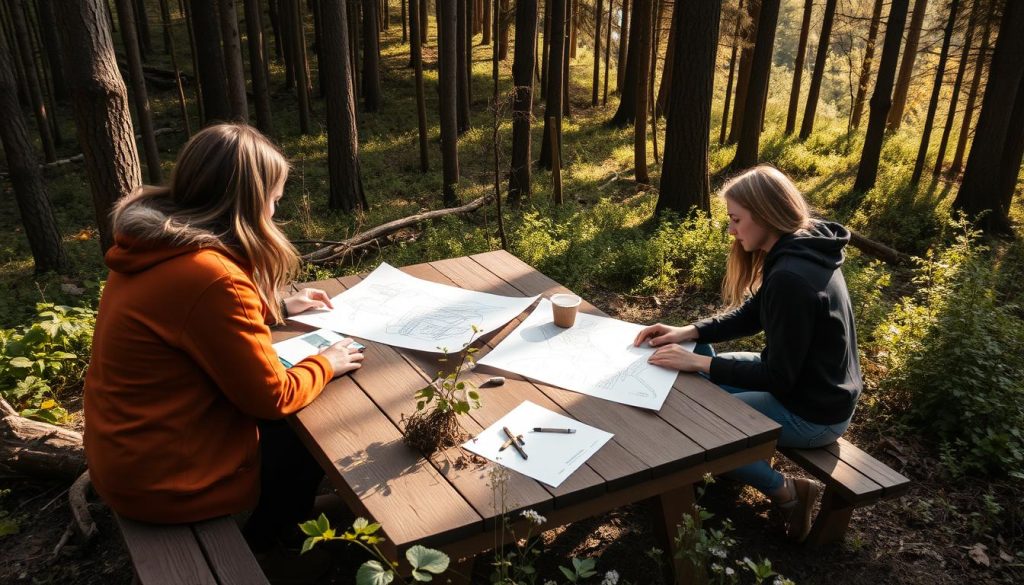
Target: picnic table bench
{"x":852,"y":479}
{"x":211,"y":552}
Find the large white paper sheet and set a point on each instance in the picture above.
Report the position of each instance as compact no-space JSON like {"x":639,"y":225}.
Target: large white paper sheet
{"x":552,"y":457}
{"x":595,"y":357}
{"x":393,"y":308}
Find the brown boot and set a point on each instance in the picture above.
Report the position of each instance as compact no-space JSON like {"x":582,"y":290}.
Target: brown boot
{"x":797,"y":511}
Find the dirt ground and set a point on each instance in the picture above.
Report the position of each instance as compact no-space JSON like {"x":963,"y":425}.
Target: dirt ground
{"x":941,"y":532}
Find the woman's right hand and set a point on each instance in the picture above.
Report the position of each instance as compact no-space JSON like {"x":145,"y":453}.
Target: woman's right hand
{"x":659,"y":334}
{"x":343,"y":358}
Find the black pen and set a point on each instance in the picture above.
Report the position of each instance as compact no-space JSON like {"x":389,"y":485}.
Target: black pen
{"x":550,"y":430}
{"x":515,"y":443}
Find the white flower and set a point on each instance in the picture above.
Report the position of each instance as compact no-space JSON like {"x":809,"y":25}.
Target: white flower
{"x":718,"y":552}
{"x":716,"y":567}
{"x":610,"y":578}
{"x":730,"y":571}
{"x":534,"y":518}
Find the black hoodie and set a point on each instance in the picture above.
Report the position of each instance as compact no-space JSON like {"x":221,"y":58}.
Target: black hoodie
{"x":809,"y":362}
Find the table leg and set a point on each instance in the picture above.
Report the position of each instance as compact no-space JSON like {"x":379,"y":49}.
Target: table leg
{"x":669,"y":509}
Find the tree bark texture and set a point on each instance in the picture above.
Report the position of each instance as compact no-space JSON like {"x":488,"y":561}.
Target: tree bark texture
{"x":982,"y":188}
{"x":212,"y":74}
{"x":865,"y":69}
{"x":684,"y":175}
{"x":972,"y":95}
{"x":899,"y":96}
{"x":301,"y":66}
{"x":35,"y":93}
{"x":29,"y":192}
{"x":51,"y":42}
{"x":258,"y":66}
{"x":750,"y":133}
{"x":807,"y":125}
{"x":746,"y":66}
{"x":626,"y":112}
{"x":38,"y":449}
{"x":641,"y":16}
{"x":668,"y":69}
{"x":553,"y":108}
{"x":622,"y":58}
{"x":342,"y":133}
{"x":933,"y":103}
{"x":798,"y":67}
{"x":233,"y":61}
{"x":462,"y":67}
{"x":732,"y":68}
{"x":598,"y":16}
{"x":961,"y":69}
{"x":881,"y":98}
{"x":371,"y":58}
{"x":416,"y":50}
{"x":519,"y":181}
{"x":100,"y":103}
{"x":448,"y":89}
{"x":141,"y":98}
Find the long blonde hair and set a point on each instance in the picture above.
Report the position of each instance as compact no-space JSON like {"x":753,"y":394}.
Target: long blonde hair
{"x":775,"y":203}
{"x":221,"y":187}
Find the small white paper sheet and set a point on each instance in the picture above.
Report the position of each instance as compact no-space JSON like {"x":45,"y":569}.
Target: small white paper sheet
{"x":595,"y":357}
{"x":296,"y":349}
{"x":393,"y":308}
{"x":551,"y":457}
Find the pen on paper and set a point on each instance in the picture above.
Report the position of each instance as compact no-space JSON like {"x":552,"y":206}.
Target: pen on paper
{"x":515,"y":443}
{"x":553,"y":430}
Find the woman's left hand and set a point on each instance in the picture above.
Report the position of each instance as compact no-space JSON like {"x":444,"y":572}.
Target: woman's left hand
{"x":675,"y":357}
{"x":307,"y":298}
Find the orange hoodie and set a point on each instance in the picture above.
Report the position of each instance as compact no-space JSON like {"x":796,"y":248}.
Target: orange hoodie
{"x":182,"y":366}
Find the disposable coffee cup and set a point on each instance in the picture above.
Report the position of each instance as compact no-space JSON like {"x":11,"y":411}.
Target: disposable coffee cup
{"x":564,"y":308}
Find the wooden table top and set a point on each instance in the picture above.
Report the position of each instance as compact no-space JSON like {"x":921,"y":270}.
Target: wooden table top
{"x":353,"y":427}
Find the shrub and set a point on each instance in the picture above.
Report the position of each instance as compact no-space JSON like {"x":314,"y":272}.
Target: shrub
{"x":954,"y":355}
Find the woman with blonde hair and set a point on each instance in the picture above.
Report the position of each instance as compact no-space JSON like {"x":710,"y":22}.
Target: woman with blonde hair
{"x":184,"y":393}
{"x":783,"y":277}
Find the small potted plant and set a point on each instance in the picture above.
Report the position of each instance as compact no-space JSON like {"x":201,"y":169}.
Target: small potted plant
{"x":435,"y":424}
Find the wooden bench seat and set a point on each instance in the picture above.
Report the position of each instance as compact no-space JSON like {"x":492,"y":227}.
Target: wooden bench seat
{"x":852,"y":479}
{"x":211,"y":552}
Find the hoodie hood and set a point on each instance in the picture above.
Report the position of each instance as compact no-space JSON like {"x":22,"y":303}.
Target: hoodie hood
{"x":822,"y":244}
{"x":147,"y":232}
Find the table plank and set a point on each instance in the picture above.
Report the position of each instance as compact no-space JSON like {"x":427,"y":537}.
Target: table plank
{"x":165,"y":553}
{"x":228,"y":553}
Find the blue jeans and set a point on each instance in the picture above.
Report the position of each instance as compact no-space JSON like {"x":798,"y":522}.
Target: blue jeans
{"x":796,"y":432}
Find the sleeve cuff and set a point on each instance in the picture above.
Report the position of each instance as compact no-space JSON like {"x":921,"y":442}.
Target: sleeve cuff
{"x":324,"y":363}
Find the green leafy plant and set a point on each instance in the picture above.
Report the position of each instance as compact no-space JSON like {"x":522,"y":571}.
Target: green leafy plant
{"x":435,"y":423}
{"x":424,"y":563}
{"x":45,"y":358}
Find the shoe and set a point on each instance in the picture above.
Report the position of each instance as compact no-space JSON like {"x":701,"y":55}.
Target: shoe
{"x":797,"y":512}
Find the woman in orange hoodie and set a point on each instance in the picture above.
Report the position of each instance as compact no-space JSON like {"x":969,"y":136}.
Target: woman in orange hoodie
{"x":182,"y":366}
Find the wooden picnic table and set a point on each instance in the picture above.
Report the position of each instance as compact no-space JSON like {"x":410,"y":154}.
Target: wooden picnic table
{"x":353,"y":431}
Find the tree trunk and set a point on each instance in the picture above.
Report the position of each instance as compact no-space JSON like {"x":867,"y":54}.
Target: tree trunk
{"x":101,"y":109}
{"x":553,"y":108}
{"x":502,"y":16}
{"x":275,"y":26}
{"x":881,"y":98}
{"x":298,"y":42}
{"x":258,"y":66}
{"x":622,"y":58}
{"x":29,"y":193}
{"x":486,"y":28}
{"x":732,"y":67}
{"x":519,"y":178}
{"x":212,"y":75}
{"x":626,"y":112}
{"x":165,"y":17}
{"x":1013,"y":153}
{"x":642,"y":18}
{"x":574,"y":8}
{"x":598,"y":16}
{"x":933,"y":103}
{"x":684,"y":176}
{"x":416,"y":50}
{"x":972,"y":94}
{"x":141,"y":98}
{"x":142,"y":18}
{"x":899,"y":96}
{"x":35,"y":94}
{"x":743,"y":76}
{"x":545,"y":52}
{"x":807,"y":125}
{"x":757,"y":91}
{"x":182,"y":102}
{"x":371,"y":58}
{"x":965,"y":52}
{"x":462,"y":67}
{"x":318,"y":44}
{"x":566,"y":74}
{"x":798,"y":67}
{"x":51,"y":42}
{"x":233,"y":61}
{"x":194,"y":52}
{"x":405,"y":22}
{"x":983,"y":183}
{"x":668,"y":70}
{"x":424,"y":20}
{"x":607,"y":51}
{"x":448,"y":50}
{"x":342,"y":134}
{"x":865,"y":69}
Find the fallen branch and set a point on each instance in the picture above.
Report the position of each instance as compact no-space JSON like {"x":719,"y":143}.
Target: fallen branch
{"x":877,"y":249}
{"x":337,"y":250}
{"x":39,"y":449}
{"x":77,"y":499}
